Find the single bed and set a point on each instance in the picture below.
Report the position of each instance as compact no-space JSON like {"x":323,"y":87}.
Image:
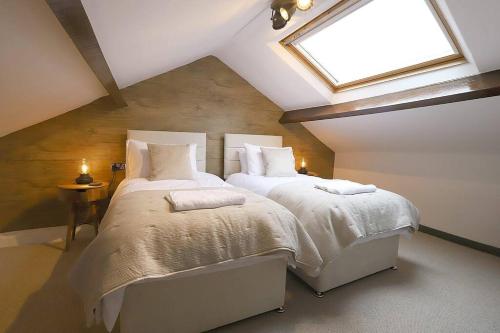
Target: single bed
{"x":341,"y":263}
{"x":197,"y":299}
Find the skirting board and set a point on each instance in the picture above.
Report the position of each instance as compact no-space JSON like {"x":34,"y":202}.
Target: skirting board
{"x":460,"y":240}
{"x":33,"y":236}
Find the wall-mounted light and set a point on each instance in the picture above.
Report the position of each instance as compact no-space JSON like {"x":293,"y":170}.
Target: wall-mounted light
{"x":283,"y":10}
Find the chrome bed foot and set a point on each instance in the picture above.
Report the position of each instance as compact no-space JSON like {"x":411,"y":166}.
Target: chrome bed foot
{"x":319,"y":294}
{"x":281,"y":309}
{"x":394,"y":268}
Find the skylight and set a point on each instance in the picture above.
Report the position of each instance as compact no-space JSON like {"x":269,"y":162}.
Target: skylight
{"x":358,"y":42}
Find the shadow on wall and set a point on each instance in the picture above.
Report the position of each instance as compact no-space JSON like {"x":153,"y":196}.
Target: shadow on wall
{"x":49,"y":212}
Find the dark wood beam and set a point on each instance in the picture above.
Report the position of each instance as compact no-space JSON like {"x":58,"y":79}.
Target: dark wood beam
{"x":472,"y":87}
{"x":75,"y":21}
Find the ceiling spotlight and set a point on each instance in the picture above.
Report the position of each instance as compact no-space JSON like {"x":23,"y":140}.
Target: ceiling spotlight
{"x":304,"y":4}
{"x":283,"y":11}
{"x":284,"y":14}
{"x":278,"y":21}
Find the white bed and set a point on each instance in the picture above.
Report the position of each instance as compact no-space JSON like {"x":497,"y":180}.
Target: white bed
{"x":198,"y":299}
{"x":363,"y":258}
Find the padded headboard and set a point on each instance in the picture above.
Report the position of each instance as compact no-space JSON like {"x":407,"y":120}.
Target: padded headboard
{"x":233,"y":143}
{"x":163,"y":137}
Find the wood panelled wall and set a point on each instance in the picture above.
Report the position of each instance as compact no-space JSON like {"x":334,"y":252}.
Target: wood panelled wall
{"x":205,"y":96}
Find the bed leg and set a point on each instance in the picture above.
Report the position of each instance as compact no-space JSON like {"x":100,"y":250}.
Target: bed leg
{"x":281,"y":309}
{"x":394,"y":268}
{"x":319,"y":294}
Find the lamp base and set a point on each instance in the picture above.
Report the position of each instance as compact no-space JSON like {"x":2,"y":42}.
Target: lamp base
{"x":302,"y":171}
{"x":84,"y":179}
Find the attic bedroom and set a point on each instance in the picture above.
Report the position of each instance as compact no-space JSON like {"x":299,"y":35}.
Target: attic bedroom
{"x":249,"y":166}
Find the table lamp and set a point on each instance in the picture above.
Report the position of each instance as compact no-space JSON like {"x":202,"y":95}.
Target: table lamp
{"x":84,"y":177}
{"x":303,"y":170}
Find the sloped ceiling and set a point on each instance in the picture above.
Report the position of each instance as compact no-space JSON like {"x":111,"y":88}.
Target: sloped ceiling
{"x":43,"y":75}
{"x":255,"y":54}
{"x":141,"y":39}
{"x":470,"y":126}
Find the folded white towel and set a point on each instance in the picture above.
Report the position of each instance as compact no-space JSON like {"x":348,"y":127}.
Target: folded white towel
{"x":340,"y":186}
{"x":204,"y":199}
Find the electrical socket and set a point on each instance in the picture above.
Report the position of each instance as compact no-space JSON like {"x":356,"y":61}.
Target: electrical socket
{"x":117,"y":166}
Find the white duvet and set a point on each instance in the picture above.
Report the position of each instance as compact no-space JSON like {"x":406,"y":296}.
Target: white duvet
{"x":112,"y":302}
{"x":333,"y":221}
{"x":141,"y":234}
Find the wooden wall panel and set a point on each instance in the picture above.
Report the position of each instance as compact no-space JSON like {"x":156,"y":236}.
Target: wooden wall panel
{"x":205,"y":96}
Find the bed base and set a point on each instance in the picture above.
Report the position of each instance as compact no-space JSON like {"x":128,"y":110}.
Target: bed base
{"x":354,"y":263}
{"x":205,"y":301}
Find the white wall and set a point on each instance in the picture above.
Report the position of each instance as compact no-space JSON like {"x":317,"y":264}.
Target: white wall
{"x":445,"y":159}
{"x":455,"y":193}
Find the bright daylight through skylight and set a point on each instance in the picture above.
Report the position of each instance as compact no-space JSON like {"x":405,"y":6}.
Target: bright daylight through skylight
{"x":378,"y":38}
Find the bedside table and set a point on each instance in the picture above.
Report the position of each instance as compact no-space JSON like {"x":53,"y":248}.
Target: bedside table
{"x":84,"y":201}
{"x":311,"y":173}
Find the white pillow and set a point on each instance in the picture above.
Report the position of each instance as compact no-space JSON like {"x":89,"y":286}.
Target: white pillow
{"x":279,"y":162}
{"x":170,"y":162}
{"x":139,"y":162}
{"x":243,"y":161}
{"x":255,"y":163}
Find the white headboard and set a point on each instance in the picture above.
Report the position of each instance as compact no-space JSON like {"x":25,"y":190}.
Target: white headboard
{"x":163,"y":137}
{"x":233,"y":143}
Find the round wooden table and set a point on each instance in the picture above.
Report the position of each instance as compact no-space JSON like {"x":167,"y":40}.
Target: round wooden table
{"x":84,"y":201}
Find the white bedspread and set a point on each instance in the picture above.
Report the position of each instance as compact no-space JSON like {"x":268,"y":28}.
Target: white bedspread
{"x":112,"y":302}
{"x":141,"y":235}
{"x":335,"y":221}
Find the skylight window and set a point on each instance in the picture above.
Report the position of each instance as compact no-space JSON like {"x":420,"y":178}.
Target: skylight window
{"x":361,"y":42}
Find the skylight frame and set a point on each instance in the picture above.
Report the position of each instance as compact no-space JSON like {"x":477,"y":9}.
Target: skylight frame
{"x":345,"y":7}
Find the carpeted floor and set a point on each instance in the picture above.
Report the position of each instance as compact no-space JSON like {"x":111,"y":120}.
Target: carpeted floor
{"x":439,"y":287}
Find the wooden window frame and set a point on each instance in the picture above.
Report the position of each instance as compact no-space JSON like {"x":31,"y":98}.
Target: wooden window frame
{"x":345,"y":7}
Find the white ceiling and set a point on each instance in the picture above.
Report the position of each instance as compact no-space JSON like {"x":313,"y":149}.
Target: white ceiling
{"x":43,"y":75}
{"x":479,"y":24}
{"x":256,"y":55}
{"x":142,"y":39}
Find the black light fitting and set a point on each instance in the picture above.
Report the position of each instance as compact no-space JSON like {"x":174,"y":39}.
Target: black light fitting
{"x":283,"y":10}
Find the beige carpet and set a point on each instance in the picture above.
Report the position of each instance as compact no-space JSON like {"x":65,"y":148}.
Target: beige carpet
{"x":440,"y":287}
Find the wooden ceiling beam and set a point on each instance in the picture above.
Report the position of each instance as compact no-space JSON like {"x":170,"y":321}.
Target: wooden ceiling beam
{"x":75,"y":21}
{"x":468,"y":88}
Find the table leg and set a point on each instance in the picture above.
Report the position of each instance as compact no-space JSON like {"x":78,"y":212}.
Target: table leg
{"x":73,"y":234}
{"x":95,"y":216}
{"x":71,"y":225}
